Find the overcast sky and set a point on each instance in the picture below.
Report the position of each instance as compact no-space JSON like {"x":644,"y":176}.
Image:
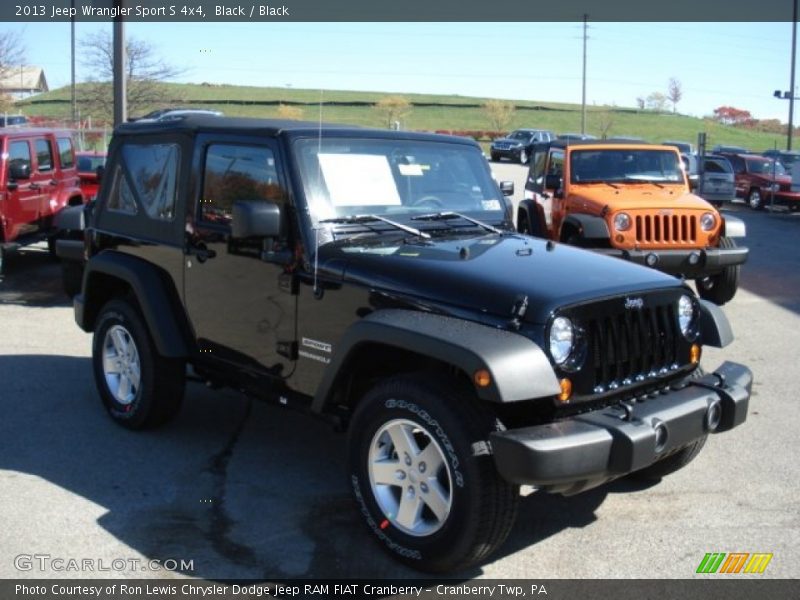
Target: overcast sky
{"x":736,"y":64}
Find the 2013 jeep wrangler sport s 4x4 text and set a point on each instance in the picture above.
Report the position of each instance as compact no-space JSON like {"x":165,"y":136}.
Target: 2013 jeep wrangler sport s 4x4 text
{"x":374,"y":278}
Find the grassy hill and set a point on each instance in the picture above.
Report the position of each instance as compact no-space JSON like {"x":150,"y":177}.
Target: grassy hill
{"x":430,"y":112}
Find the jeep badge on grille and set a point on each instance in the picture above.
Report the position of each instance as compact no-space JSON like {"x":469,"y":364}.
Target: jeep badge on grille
{"x":634,"y":303}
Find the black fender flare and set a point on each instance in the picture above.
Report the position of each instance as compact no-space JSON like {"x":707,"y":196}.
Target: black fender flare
{"x":533,"y":214}
{"x":519,"y":368}
{"x":715,"y":329}
{"x":70,"y":218}
{"x":155,"y":293}
{"x":589,"y":226}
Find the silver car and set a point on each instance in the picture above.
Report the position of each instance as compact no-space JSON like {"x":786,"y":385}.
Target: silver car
{"x":717,"y":184}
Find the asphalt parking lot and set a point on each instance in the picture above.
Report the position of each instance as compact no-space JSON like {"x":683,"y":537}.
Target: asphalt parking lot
{"x":246,"y":490}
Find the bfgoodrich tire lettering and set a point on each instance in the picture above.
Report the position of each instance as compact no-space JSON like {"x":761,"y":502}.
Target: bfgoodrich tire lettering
{"x":441,"y":421}
{"x":138,"y":387}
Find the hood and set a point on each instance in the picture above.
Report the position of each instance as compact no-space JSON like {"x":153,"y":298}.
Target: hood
{"x":487,"y":274}
{"x":647,"y":196}
{"x":511,"y":141}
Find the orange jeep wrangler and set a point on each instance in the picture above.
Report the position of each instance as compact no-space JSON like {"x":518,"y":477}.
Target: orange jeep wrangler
{"x":632,"y":200}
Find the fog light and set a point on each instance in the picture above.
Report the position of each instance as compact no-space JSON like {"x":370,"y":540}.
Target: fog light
{"x":651,"y":260}
{"x":482,"y":378}
{"x":694,"y":354}
{"x":713,"y":415}
{"x":566,"y":390}
{"x":694,"y":258}
{"x":661,"y":436}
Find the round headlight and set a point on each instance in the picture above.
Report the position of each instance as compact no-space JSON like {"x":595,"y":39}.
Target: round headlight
{"x":708,"y":221}
{"x":622,"y":222}
{"x":562,"y":338}
{"x":685,"y":314}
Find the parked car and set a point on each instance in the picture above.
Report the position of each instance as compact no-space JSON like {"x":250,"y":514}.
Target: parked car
{"x":683,"y":147}
{"x":168,"y":114}
{"x":573,"y":137}
{"x":720,"y":149}
{"x":373,"y":278}
{"x":788,"y":158}
{"x":632,"y":201}
{"x":9,"y":120}
{"x":518,"y":144}
{"x":90,"y":167}
{"x":762,"y":181}
{"x":718,"y":183}
{"x":38,"y":179}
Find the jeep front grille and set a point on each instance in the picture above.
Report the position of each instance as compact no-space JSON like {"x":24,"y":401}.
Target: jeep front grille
{"x":666,"y":229}
{"x":633,"y":347}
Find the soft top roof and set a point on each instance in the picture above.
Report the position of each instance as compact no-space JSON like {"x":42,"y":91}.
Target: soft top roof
{"x":544,"y":146}
{"x":272,"y":128}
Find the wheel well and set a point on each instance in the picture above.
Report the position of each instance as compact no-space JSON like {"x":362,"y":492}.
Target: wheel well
{"x":104,"y":288}
{"x":372,"y":362}
{"x":568,"y":230}
{"x":75,"y":201}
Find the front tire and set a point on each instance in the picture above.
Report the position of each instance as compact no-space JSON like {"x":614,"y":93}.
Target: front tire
{"x":422,"y":474}
{"x":755,"y":200}
{"x":139,"y":387}
{"x":720,"y":288}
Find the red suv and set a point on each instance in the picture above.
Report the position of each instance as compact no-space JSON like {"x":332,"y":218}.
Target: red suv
{"x":38,"y":178}
{"x":761,"y":181}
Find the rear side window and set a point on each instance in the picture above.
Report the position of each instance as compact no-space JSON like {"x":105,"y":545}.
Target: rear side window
{"x":153,"y":168}
{"x":66,"y":154}
{"x":44,"y":154}
{"x":19,"y":154}
{"x":120,"y":199}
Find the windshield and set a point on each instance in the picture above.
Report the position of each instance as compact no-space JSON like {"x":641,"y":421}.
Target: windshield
{"x":520,"y":135}
{"x":765,"y":167}
{"x":625,"y":165}
{"x":395,"y":178}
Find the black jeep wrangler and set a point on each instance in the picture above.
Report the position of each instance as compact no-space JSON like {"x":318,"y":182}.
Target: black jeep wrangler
{"x":374,"y":278}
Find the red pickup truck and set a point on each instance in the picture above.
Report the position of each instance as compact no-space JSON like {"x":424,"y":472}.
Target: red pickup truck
{"x":38,"y":178}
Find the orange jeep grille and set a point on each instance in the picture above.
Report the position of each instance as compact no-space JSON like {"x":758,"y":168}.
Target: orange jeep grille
{"x":670,"y":229}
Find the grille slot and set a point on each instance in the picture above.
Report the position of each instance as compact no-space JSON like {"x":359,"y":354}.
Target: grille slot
{"x":666,"y":229}
{"x":633,"y":345}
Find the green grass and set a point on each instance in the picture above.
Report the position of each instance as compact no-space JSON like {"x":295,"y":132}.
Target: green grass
{"x":560,"y":117}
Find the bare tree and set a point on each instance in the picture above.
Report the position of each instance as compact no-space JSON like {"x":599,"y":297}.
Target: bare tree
{"x":392,"y":108}
{"x":146,"y":74}
{"x":640,"y":102}
{"x":674,"y":92}
{"x":500,"y":113}
{"x":12,"y":57}
{"x":656,"y":101}
{"x":605,"y":121}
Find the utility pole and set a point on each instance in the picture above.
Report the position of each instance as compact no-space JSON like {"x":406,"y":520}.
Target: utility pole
{"x":791,"y":77}
{"x":583,"y":94}
{"x":72,"y":60}
{"x":120,"y":92}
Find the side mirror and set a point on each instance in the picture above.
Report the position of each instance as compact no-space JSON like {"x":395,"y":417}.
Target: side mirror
{"x":255,"y":219}
{"x":99,"y":171}
{"x":552,"y":182}
{"x":507,"y":188}
{"x":19,"y":170}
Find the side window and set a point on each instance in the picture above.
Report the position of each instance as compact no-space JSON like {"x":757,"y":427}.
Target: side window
{"x":19,"y":154}
{"x":153,"y":168}
{"x":237,"y":173}
{"x":44,"y":154}
{"x":738,"y":164}
{"x":120,"y":198}
{"x":556,"y":164}
{"x":66,"y":153}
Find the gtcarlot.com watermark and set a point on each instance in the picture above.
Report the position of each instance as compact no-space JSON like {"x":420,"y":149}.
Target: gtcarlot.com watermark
{"x":46,"y":563}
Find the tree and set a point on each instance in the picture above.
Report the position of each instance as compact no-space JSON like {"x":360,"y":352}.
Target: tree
{"x":12,"y":57}
{"x":499,"y":113}
{"x":291,"y":113}
{"x":145,"y":75}
{"x":392,"y":109}
{"x":728,"y":115}
{"x":656,"y":101}
{"x":605,"y":121}
{"x":640,"y":103}
{"x":674,"y":92}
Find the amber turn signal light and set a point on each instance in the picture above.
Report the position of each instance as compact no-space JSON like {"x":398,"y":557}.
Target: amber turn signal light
{"x":694,"y":354}
{"x":482,"y":378}
{"x":566,"y":390}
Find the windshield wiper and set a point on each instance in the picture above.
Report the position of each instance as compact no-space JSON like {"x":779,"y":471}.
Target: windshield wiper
{"x":444,"y":216}
{"x":643,"y":180}
{"x":356,"y":219}
{"x":582,"y":181}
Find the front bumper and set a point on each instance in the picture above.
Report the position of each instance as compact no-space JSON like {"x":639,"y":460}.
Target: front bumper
{"x":689,"y":262}
{"x":512,"y":153}
{"x":584,"y":451}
